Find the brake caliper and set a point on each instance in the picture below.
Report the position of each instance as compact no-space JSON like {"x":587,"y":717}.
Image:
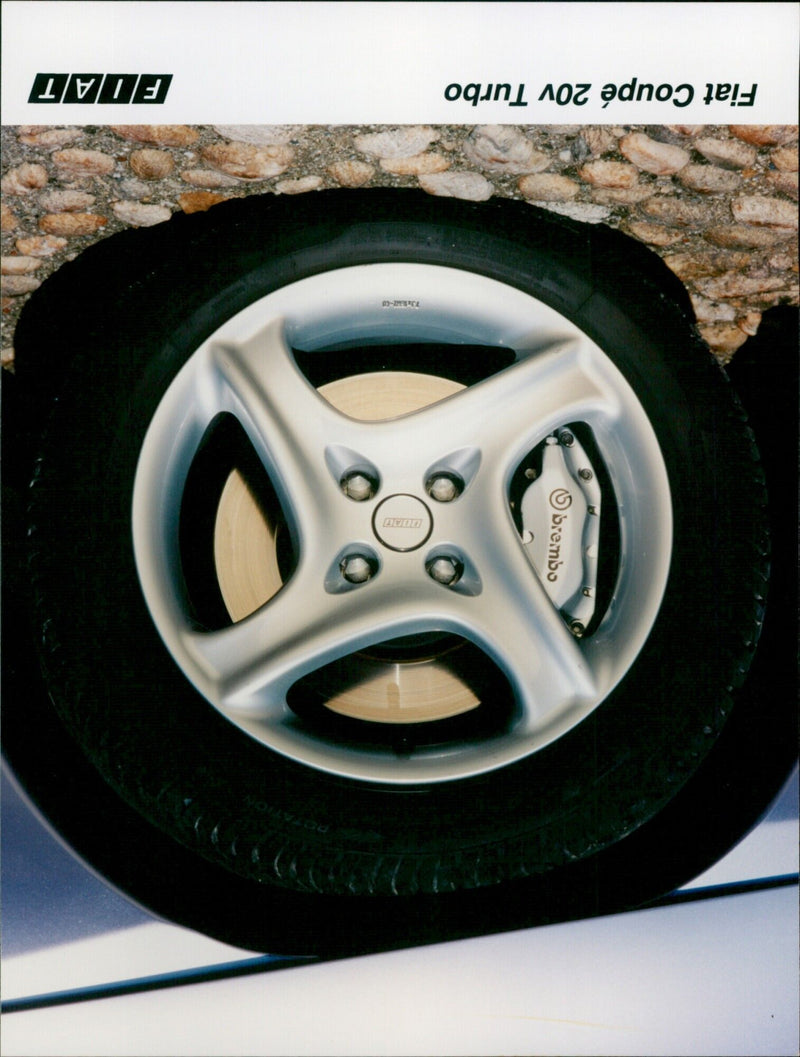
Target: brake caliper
{"x":561,"y":528}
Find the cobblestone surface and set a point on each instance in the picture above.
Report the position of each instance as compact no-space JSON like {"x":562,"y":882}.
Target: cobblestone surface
{"x":717,"y":203}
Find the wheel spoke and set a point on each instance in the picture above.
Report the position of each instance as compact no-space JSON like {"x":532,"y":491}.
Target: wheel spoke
{"x":252,"y":664}
{"x":511,"y":411}
{"x":283,"y":415}
{"x":518,"y":626}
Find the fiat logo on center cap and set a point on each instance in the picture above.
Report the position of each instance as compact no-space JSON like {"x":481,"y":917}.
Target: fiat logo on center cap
{"x":402,"y":522}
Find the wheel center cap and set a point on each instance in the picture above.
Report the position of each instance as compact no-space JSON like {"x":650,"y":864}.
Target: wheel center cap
{"x":402,"y":522}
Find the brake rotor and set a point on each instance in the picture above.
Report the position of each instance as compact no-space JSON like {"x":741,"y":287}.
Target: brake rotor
{"x":422,"y":685}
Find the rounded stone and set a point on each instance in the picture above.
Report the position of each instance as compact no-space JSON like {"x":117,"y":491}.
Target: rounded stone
{"x":24,"y":179}
{"x":785,"y":159}
{"x":247,"y":161}
{"x":69,"y":224}
{"x":301,"y":186}
{"x":36,"y":136}
{"x":260,"y":135}
{"x":141,"y":216}
{"x":418,"y":165}
{"x":67,"y":201}
{"x":598,"y":140}
{"x":40,"y":245}
{"x":745,"y":237}
{"x":723,"y":339}
{"x":654,"y":234}
{"x":208,"y":178}
{"x":14,"y":265}
{"x":162,"y":135}
{"x":785,"y":182}
{"x":199,"y":201}
{"x":404,"y":142}
{"x":610,"y":174}
{"x":709,"y":179}
{"x":502,"y":148}
{"x":402,"y":522}
{"x":765,"y":135}
{"x":470,"y":186}
{"x":150,"y":164}
{"x":548,"y":187}
{"x":663,"y":159}
{"x":8,"y":220}
{"x":16,"y":285}
{"x":726,"y":153}
{"x":706,"y":311}
{"x":351,"y":173}
{"x":82,"y":162}
{"x":768,"y":212}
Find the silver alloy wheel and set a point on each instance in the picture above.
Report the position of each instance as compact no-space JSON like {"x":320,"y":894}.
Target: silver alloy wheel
{"x":479,"y":434}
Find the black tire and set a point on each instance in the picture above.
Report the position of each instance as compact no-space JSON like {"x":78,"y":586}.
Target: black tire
{"x":131,"y":311}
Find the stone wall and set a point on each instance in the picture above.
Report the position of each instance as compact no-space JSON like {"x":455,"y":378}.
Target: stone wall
{"x":717,"y":203}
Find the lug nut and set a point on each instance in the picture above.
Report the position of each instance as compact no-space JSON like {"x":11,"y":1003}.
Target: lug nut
{"x":358,"y":486}
{"x":445,"y":570}
{"x":585,"y":475}
{"x":577,"y":629}
{"x":566,"y":438}
{"x":444,"y":487}
{"x":356,"y":569}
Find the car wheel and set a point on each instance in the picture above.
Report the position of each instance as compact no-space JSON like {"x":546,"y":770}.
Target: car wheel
{"x":388,"y":546}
